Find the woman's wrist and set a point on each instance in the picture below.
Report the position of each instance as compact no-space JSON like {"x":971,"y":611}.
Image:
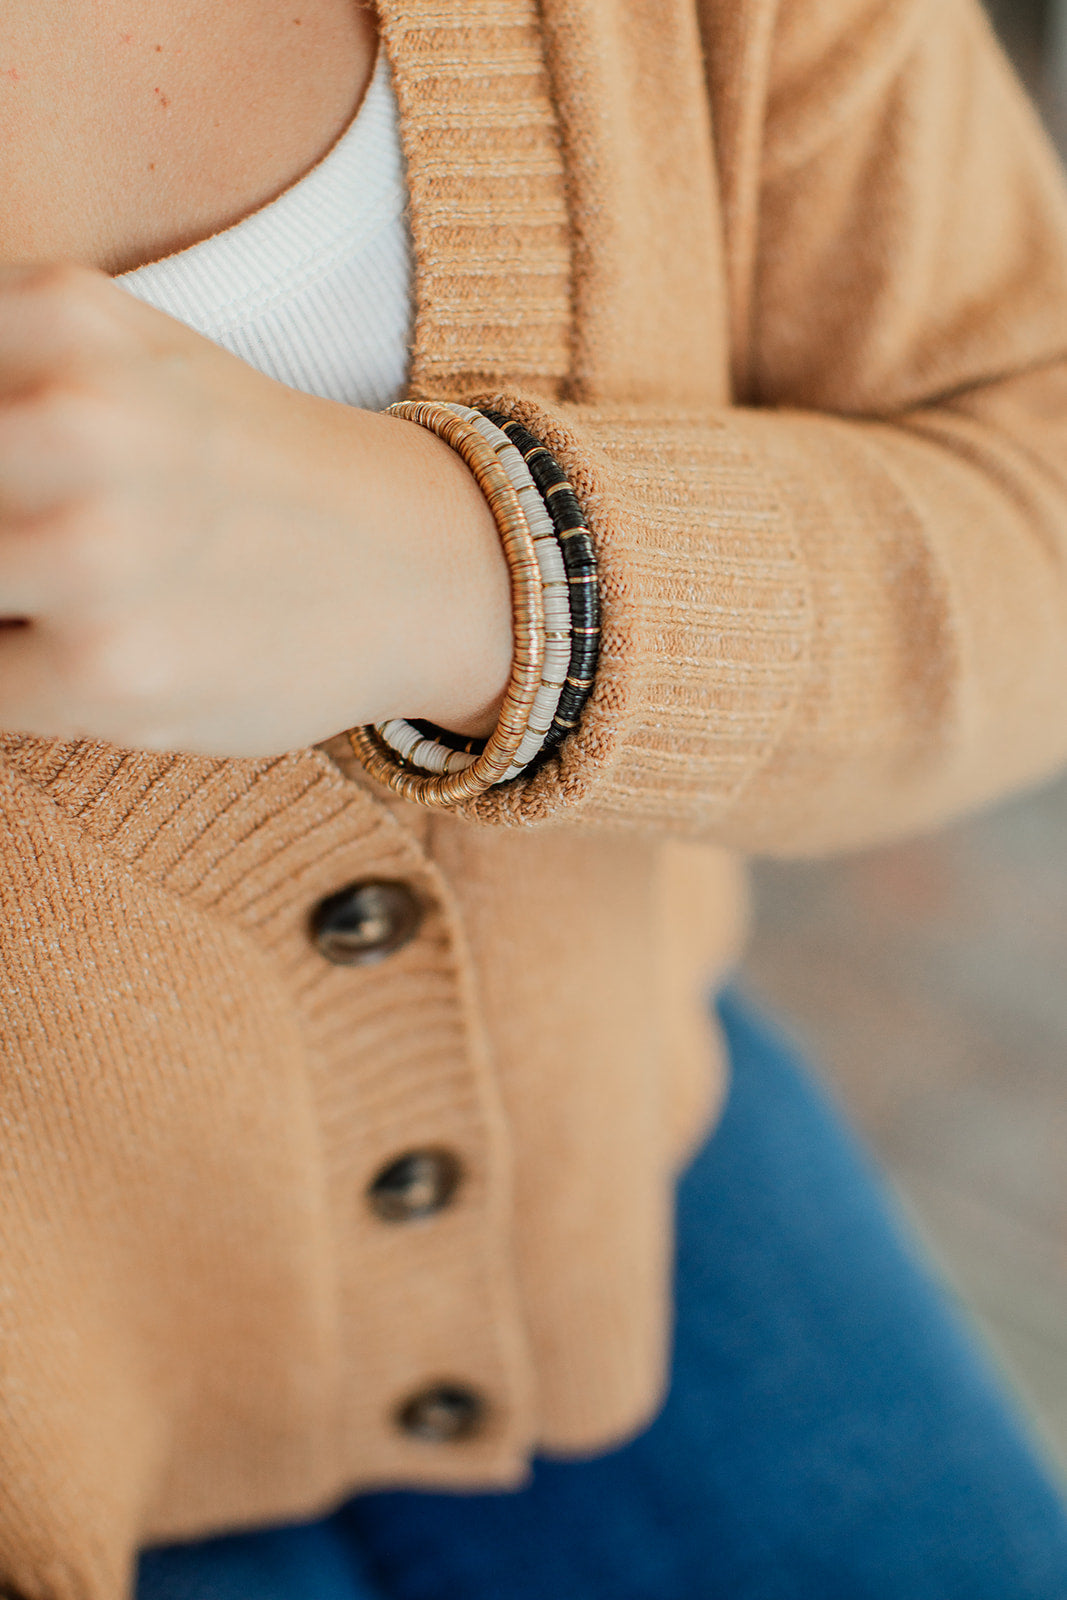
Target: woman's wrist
{"x":456,"y":623}
{"x":552,"y":567}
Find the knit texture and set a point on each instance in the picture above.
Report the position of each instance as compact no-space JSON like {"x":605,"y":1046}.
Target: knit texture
{"x":832,"y":615}
{"x":784,"y":285}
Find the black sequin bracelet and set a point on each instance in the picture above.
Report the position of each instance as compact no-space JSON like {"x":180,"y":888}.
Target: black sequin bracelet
{"x":579,"y":560}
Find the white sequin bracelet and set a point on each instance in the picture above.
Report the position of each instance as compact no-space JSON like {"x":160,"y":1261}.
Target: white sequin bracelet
{"x":431,"y":754}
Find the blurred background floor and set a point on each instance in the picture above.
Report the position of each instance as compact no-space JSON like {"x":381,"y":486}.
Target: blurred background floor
{"x":929,"y":981}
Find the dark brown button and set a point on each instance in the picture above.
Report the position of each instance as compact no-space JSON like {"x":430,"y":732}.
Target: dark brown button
{"x":415,"y":1185}
{"x":443,"y":1414}
{"x":365,"y":921}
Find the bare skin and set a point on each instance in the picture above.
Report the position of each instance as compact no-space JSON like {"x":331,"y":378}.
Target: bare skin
{"x":131,"y":128}
{"x":205,"y":560}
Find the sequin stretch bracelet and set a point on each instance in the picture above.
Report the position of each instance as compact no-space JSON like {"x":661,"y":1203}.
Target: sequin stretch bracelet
{"x":528,"y":624}
{"x":435,"y":749}
{"x":433,"y":765}
{"x":579,"y":559}
{"x":555,"y":591}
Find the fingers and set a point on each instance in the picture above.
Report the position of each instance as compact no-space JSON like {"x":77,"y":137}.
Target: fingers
{"x":78,"y":428}
{"x":38,"y":578}
{"x":109,"y":679}
{"x":54,"y":319}
{"x":47,"y":683}
{"x":54,"y":447}
{"x":48,"y":452}
{"x":50,"y":465}
{"x":31,"y":693}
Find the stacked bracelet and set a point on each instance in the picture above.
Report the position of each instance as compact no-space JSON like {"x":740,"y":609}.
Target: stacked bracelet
{"x":579,"y":559}
{"x":542,"y":531}
{"x":555,"y":590}
{"x":528,"y":623}
{"x":434,"y":749}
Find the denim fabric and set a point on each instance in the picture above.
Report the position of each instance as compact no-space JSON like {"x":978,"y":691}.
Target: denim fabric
{"x":831,"y":1432}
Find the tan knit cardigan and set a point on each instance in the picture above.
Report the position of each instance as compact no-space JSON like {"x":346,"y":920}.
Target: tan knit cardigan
{"x":784,"y":284}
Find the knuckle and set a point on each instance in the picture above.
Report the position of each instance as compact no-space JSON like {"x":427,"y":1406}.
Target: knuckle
{"x":67,"y":298}
{"x":84,"y":433}
{"x":89,"y":551}
{"x":57,"y":278}
{"x":117,"y":667}
{"x":83,"y":425}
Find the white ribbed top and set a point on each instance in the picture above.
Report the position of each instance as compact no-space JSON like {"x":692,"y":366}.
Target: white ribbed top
{"x":314,"y":289}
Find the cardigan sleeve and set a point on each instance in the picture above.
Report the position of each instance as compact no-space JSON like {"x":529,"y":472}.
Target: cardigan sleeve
{"x":837,"y":610}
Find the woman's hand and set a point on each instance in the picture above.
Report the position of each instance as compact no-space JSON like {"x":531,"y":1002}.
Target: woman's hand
{"x":194,"y":557}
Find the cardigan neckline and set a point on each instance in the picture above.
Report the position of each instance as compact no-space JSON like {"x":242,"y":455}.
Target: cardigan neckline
{"x":486,"y":183}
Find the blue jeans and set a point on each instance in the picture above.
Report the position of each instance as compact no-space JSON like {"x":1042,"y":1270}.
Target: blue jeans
{"x":831,"y":1431}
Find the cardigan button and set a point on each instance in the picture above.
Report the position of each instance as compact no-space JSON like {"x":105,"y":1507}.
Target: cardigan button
{"x":417,"y":1184}
{"x":445,"y":1413}
{"x":365,"y":921}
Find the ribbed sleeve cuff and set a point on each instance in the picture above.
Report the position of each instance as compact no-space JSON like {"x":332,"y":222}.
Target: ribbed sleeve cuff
{"x":706,"y":618}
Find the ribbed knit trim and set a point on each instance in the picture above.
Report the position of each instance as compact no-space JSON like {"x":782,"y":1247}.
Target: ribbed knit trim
{"x":706,"y":615}
{"x":257,"y":843}
{"x":254,"y":845}
{"x":818,"y":630}
{"x":488,"y":211}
